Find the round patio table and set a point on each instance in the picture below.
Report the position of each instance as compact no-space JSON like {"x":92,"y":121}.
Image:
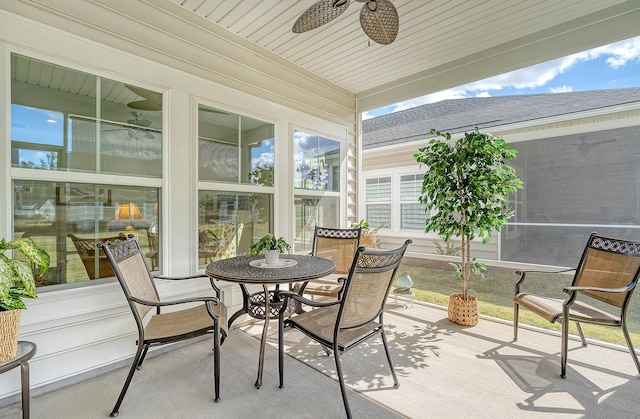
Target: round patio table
{"x":247,"y":270}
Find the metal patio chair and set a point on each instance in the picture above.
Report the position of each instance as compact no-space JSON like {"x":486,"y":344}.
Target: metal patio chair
{"x":606,"y":276}
{"x":356,"y":316}
{"x":338,"y":245}
{"x":197,"y":316}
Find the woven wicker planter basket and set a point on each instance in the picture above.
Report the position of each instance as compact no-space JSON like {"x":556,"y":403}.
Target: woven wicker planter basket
{"x":463,"y":312}
{"x":368,"y":240}
{"x":9,"y":324}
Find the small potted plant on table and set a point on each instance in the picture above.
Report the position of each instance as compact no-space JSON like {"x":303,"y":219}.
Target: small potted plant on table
{"x":17,"y":282}
{"x":272,"y":246}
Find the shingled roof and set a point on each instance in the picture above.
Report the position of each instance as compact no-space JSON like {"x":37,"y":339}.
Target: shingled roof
{"x":459,"y":115}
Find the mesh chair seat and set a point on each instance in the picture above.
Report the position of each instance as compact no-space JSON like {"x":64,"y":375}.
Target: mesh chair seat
{"x":551,"y":309}
{"x":321,"y":322}
{"x":177,"y":325}
{"x":327,"y":286}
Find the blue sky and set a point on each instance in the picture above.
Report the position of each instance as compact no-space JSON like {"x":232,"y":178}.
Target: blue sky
{"x":608,"y":67}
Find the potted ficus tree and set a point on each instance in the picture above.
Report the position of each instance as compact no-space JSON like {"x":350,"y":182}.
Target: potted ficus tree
{"x":273,"y":247}
{"x":17,"y":282}
{"x":466,"y":189}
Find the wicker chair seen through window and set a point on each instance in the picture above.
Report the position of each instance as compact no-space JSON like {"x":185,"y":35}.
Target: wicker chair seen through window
{"x":355,"y":317}
{"x":191,"y":317}
{"x":605,"y":277}
{"x":338,"y":245}
{"x":93,"y":259}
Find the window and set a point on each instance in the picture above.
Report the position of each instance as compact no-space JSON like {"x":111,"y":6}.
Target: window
{"x":78,"y":123}
{"x":316,"y":162}
{"x":234,"y":148}
{"x":311,"y":211}
{"x":412,"y":213}
{"x":229,"y":223}
{"x":378,"y":201}
{"x":233,"y":151}
{"x":316,"y":168}
{"x":67,"y":219}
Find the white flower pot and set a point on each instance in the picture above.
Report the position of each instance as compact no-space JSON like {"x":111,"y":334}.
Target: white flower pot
{"x":272,"y":257}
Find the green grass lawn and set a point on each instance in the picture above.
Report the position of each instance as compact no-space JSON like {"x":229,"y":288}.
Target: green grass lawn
{"x":434,"y":281}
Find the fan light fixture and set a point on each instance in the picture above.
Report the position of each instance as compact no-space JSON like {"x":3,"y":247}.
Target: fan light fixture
{"x":378,"y":18}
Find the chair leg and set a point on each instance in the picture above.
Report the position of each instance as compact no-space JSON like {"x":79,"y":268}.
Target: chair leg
{"x":343,"y":389}
{"x":134,"y":367}
{"x":584,"y":341}
{"x":281,"y":349}
{"x":144,"y":355}
{"x":565,"y":342}
{"x":386,"y":350}
{"x":630,"y":345}
{"x":516,"y":313}
{"x":216,"y":360}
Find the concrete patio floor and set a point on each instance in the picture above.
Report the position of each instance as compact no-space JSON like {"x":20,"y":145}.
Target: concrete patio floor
{"x":445,"y":371}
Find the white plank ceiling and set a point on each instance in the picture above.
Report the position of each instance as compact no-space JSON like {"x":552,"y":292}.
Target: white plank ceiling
{"x":432,"y":33}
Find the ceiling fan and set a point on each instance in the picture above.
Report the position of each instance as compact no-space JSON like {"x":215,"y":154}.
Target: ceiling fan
{"x":138,"y":133}
{"x":152,"y":100}
{"x":378,"y":18}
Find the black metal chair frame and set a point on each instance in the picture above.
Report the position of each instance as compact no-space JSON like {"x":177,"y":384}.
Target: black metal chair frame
{"x":573,"y":309}
{"x":372,"y":324}
{"x":129,"y":248}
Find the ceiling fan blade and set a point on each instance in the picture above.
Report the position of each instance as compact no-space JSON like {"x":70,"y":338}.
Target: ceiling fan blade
{"x":379,"y":20}
{"x":145,"y":105}
{"x":318,"y":14}
{"x":147,"y":94}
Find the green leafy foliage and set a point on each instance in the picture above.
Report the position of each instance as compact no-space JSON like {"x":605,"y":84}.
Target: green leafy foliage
{"x":466,"y":188}
{"x":446,"y":248}
{"x":365,"y":226}
{"x":270,"y":242}
{"x":16,"y":276}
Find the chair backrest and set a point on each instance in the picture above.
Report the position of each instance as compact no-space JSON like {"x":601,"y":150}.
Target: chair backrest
{"x":338,"y":245}
{"x":366,"y":288}
{"x":128,"y":263}
{"x":88,"y":251}
{"x":609,"y":263}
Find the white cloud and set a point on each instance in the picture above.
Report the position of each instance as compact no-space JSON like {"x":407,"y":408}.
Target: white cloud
{"x":367,"y":115}
{"x":618,"y":54}
{"x":561,"y":89}
{"x":263,"y":160}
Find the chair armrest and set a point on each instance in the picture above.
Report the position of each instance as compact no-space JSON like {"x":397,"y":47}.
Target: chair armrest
{"x":175,"y":302}
{"x":611,"y":290}
{"x":522,"y":272}
{"x":298,"y":297}
{"x":179,"y":278}
{"x":523,"y":275}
